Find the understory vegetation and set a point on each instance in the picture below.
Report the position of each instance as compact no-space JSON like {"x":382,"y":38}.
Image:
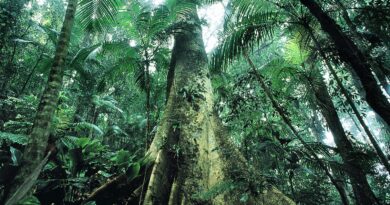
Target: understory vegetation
{"x":117,"y":102}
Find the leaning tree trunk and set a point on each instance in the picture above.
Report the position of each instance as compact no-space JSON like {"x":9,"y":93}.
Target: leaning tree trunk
{"x":286,"y":119}
{"x":191,"y":152}
{"x":35,"y":150}
{"x":379,"y":71}
{"x":349,"y":99}
{"x":350,"y":53}
{"x":362,"y":189}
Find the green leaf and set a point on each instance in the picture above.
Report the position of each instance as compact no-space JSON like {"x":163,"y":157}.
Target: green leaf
{"x":122,"y":157}
{"x":31,"y":200}
{"x":97,"y":15}
{"x":82,"y":55}
{"x":87,"y":125}
{"x":70,"y":142}
{"x":53,"y":34}
{"x":13,"y":138}
{"x":133,"y":170}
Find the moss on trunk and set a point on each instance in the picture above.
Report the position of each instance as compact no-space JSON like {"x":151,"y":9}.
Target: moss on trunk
{"x":194,"y":161}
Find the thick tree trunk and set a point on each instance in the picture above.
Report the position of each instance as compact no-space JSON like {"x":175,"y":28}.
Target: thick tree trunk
{"x":362,"y":189}
{"x":350,"y":53}
{"x":191,"y":151}
{"x":35,"y":150}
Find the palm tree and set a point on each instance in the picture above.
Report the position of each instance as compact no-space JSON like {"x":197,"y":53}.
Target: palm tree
{"x":35,"y":151}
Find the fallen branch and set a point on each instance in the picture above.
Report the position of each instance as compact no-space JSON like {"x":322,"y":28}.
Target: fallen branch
{"x":120,"y":187}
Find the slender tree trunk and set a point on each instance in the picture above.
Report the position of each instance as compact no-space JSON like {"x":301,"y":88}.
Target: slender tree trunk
{"x":279,"y":109}
{"x":40,"y":57}
{"x":148,"y":105}
{"x":191,"y":151}
{"x":364,"y":194}
{"x":346,"y":94}
{"x":35,"y":150}
{"x":350,"y":53}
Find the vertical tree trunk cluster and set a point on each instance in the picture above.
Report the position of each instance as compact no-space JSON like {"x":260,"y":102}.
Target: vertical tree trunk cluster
{"x":362,"y":189}
{"x":351,"y":54}
{"x":346,"y":94}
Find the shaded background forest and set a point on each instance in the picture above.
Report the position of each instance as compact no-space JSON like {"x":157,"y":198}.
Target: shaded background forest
{"x":282,"y":86}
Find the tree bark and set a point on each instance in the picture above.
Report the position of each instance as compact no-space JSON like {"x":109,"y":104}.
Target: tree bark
{"x":350,"y":53}
{"x":35,"y":150}
{"x":191,"y":152}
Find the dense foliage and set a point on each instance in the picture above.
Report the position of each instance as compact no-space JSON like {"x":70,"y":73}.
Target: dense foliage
{"x":294,"y":100}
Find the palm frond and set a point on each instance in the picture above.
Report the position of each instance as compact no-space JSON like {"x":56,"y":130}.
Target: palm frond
{"x":83,"y":54}
{"x":87,"y":125}
{"x":51,"y":33}
{"x":70,"y":142}
{"x":243,"y":35}
{"x":107,"y":102}
{"x":97,"y":15}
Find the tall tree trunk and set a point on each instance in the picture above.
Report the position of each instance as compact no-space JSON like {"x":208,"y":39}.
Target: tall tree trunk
{"x":362,"y":189}
{"x":280,"y":110}
{"x":346,"y":94}
{"x":40,"y":57}
{"x":350,"y":53}
{"x":148,"y":104}
{"x":379,"y":71}
{"x":191,"y":152}
{"x":35,"y":150}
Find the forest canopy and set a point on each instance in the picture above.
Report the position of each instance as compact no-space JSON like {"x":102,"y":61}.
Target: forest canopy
{"x":195,"y":102}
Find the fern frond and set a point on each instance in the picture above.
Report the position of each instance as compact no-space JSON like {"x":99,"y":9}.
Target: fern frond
{"x":11,"y":138}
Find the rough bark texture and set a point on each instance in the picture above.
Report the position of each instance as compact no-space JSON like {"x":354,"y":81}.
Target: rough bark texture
{"x":351,"y":54}
{"x":35,"y":150}
{"x":191,"y":152}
